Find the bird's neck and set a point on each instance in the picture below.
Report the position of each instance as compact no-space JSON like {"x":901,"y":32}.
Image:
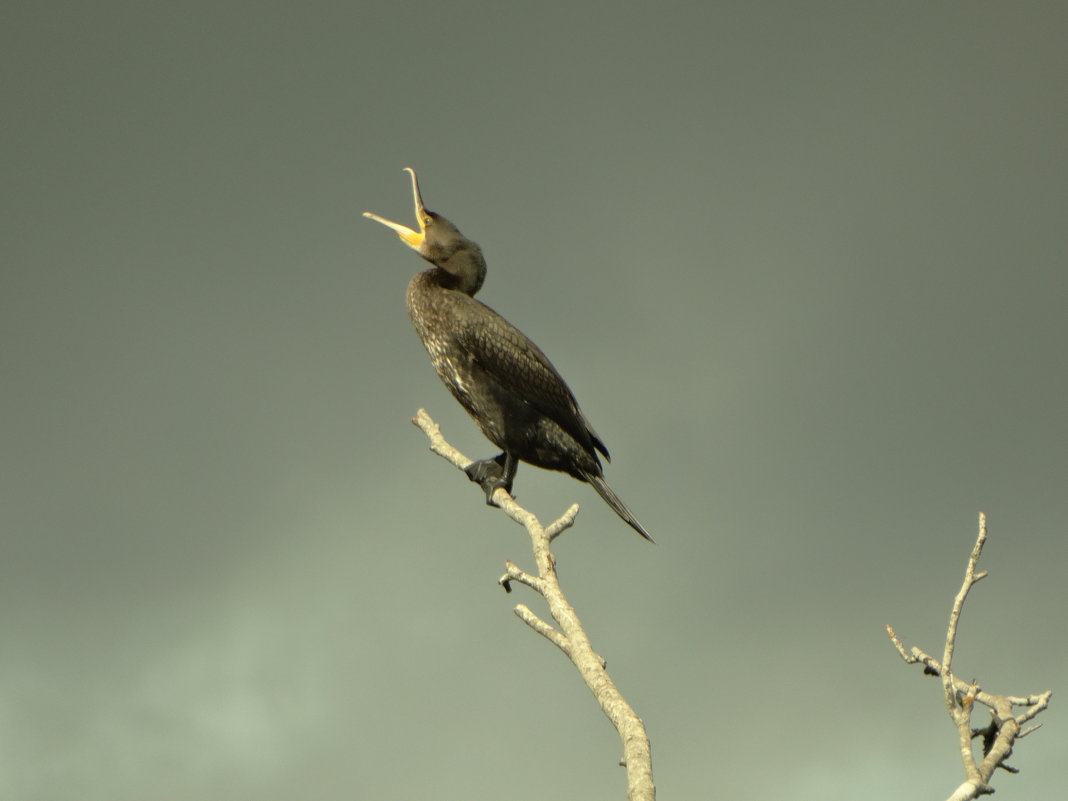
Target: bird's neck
{"x":463,"y":271}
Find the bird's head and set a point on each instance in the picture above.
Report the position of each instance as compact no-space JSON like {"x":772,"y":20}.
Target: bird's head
{"x":439,"y":242}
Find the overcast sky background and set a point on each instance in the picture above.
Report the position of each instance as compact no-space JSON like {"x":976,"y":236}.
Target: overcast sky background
{"x":804,"y":265}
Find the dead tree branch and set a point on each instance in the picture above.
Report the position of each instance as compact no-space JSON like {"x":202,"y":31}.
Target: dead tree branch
{"x":568,"y":635}
{"x":1004,"y":728}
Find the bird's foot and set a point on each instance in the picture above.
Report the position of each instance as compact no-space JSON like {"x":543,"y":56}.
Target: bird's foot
{"x":490,"y":474}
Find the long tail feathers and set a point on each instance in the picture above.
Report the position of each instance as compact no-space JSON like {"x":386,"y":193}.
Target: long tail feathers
{"x":620,"y":508}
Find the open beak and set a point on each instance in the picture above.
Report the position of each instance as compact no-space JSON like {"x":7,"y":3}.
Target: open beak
{"x":413,"y":239}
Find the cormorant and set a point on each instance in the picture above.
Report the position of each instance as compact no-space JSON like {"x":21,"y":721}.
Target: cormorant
{"x":500,"y":377}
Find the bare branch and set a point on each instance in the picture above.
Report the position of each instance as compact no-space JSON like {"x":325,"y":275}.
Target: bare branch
{"x":563,"y":523}
{"x":571,"y":638}
{"x":970,"y":577}
{"x":513,"y":573}
{"x":523,"y":612}
{"x":960,"y":697}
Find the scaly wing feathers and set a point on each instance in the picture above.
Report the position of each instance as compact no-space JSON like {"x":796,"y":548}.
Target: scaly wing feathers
{"x":516,"y":363}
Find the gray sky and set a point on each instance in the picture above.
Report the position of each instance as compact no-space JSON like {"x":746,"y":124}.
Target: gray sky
{"x":804,"y":265}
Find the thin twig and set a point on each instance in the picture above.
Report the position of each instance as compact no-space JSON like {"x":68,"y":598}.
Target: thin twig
{"x":959,"y":706}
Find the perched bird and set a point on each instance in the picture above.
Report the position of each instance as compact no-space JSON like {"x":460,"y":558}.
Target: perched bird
{"x":500,"y":377}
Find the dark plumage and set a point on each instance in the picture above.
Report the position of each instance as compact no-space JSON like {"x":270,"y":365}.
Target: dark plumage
{"x":500,"y":377}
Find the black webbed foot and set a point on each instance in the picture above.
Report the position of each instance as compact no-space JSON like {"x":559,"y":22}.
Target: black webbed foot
{"x":491,"y":474}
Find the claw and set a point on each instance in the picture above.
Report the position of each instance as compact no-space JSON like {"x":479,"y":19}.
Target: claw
{"x":493,"y":474}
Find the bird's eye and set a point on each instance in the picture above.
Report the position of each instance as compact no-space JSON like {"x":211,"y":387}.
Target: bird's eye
{"x":427,"y":220}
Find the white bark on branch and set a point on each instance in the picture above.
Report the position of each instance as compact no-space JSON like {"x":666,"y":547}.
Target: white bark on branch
{"x":569,"y":637}
{"x":960,"y":697}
